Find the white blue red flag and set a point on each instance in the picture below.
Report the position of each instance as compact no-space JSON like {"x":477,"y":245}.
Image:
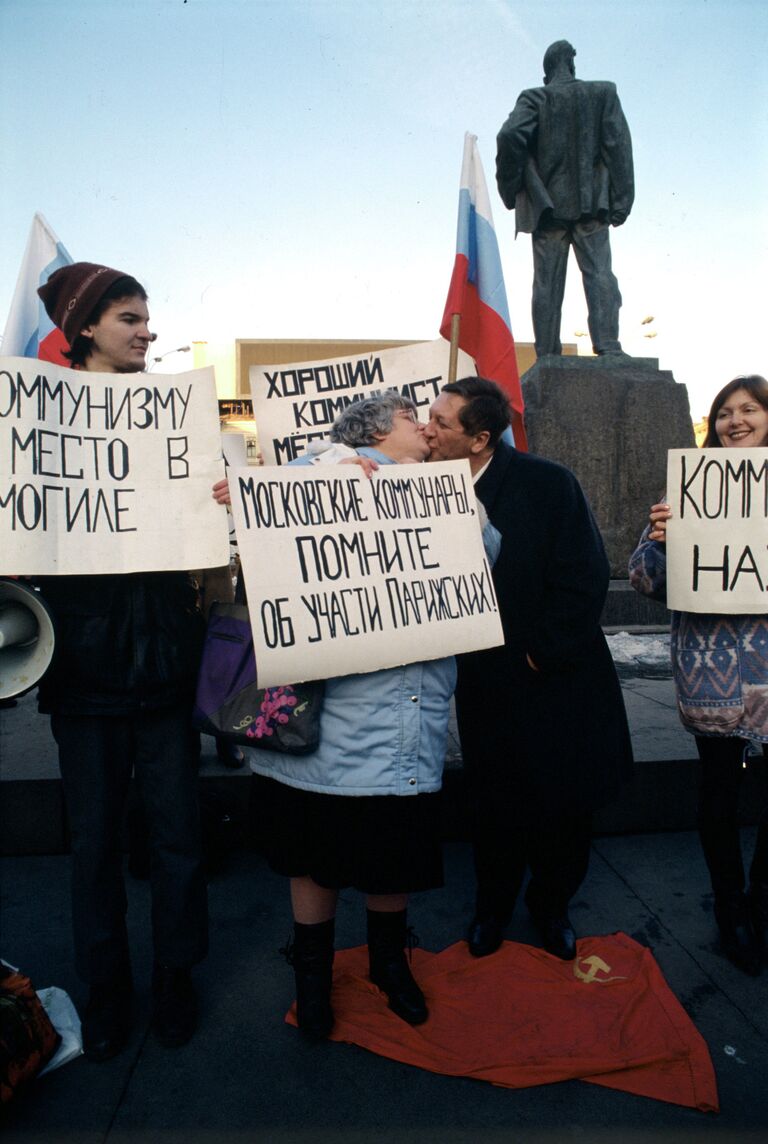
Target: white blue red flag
{"x":477,"y":291}
{"x":29,"y":332}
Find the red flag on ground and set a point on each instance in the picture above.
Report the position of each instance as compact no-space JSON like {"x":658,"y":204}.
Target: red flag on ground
{"x":29,"y":332}
{"x":477,"y":291}
{"x":523,"y":1017}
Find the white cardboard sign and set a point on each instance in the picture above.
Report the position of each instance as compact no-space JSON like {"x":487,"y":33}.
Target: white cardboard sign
{"x":347,"y":575}
{"x":106,"y":472}
{"x":298,"y":403}
{"x":234,"y":448}
{"x":717,"y":538}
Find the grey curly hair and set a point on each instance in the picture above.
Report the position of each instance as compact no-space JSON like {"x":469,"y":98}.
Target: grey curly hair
{"x":363,"y":422}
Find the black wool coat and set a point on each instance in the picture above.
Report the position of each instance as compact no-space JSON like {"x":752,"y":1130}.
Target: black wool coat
{"x":556,"y":739}
{"x":124,"y":643}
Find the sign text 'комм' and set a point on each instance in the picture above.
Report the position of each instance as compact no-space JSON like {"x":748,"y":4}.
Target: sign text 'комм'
{"x":330,"y":557}
{"x":296,"y":404}
{"x":717,"y":539}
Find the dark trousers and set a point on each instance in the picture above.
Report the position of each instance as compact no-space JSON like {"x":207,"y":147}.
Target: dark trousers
{"x":591,"y":244}
{"x":97,"y":755}
{"x":720,"y":776}
{"x":555,"y":849}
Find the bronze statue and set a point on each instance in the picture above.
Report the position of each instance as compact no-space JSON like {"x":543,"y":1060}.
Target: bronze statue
{"x":564,"y":165}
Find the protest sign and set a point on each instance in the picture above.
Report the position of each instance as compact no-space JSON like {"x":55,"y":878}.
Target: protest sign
{"x":234,"y":449}
{"x":107,"y":472}
{"x":717,"y":539}
{"x":296,"y":404}
{"x":346,"y":574}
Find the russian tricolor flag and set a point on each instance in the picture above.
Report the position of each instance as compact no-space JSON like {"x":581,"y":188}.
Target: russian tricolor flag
{"x":29,"y":332}
{"x":477,"y":291}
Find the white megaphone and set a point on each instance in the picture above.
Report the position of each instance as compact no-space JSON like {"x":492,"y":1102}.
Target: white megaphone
{"x":26,"y":638}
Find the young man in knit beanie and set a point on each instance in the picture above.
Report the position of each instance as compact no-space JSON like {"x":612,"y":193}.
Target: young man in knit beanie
{"x":119,"y":692}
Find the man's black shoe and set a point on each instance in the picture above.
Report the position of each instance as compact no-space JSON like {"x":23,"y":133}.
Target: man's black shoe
{"x":174,"y":1019}
{"x":107,"y":1020}
{"x":557,"y":935}
{"x":555,"y":930}
{"x":485,"y":935}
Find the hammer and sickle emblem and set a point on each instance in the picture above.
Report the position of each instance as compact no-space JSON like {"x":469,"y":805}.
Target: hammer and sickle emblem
{"x":596,"y":965}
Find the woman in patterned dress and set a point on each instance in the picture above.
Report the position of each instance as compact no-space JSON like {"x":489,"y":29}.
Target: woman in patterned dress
{"x":720,"y":668}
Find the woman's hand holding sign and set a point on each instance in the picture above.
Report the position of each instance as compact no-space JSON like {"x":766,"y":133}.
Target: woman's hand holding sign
{"x":658,"y":516}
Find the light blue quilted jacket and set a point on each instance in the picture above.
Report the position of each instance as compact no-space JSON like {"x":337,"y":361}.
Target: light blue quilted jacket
{"x":381,"y":733}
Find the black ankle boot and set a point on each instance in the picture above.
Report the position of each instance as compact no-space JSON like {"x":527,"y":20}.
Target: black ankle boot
{"x":311,"y":955}
{"x":737,"y":937}
{"x":388,"y":936}
{"x":106,"y":1024}
{"x":174,"y":1015}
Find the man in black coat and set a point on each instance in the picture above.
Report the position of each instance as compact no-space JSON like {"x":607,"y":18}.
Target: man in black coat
{"x":543,"y":730}
{"x":119,"y":692}
{"x":564,"y":166}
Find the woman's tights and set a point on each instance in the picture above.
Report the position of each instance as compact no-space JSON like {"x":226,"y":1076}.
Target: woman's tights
{"x":721,"y":773}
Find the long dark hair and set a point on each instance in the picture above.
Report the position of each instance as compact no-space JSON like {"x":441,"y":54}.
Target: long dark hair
{"x":127,"y":287}
{"x":757,"y":388}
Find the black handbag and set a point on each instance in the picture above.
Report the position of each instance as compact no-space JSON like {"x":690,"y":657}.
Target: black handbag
{"x":228,"y":702}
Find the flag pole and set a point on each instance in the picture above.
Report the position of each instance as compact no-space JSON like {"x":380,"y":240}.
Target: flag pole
{"x":453,"y":358}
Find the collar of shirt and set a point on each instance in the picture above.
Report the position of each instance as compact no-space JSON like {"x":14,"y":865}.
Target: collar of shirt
{"x":476,"y":476}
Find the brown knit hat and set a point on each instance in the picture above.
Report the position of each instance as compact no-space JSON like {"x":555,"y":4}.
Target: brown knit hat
{"x":73,"y":292}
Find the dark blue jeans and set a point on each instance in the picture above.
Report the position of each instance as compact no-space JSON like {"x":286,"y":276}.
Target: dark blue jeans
{"x":97,"y":755}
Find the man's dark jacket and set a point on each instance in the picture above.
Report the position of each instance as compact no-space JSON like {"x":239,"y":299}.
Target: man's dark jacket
{"x":555,"y":739}
{"x":124,"y":643}
{"x":565,"y":151}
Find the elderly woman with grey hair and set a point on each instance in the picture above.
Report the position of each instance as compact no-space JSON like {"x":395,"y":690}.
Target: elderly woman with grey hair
{"x":362,"y":810}
{"x":365,"y":424}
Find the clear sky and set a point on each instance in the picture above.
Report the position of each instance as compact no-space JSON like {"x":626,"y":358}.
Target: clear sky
{"x":290,"y":168}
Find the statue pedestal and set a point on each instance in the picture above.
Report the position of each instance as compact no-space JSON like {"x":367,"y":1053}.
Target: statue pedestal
{"x":611,"y":421}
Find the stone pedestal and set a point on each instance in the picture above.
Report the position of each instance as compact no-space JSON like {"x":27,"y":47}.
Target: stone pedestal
{"x":611,"y":421}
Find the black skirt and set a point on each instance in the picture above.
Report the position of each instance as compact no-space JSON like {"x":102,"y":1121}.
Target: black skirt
{"x":380,"y":844}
